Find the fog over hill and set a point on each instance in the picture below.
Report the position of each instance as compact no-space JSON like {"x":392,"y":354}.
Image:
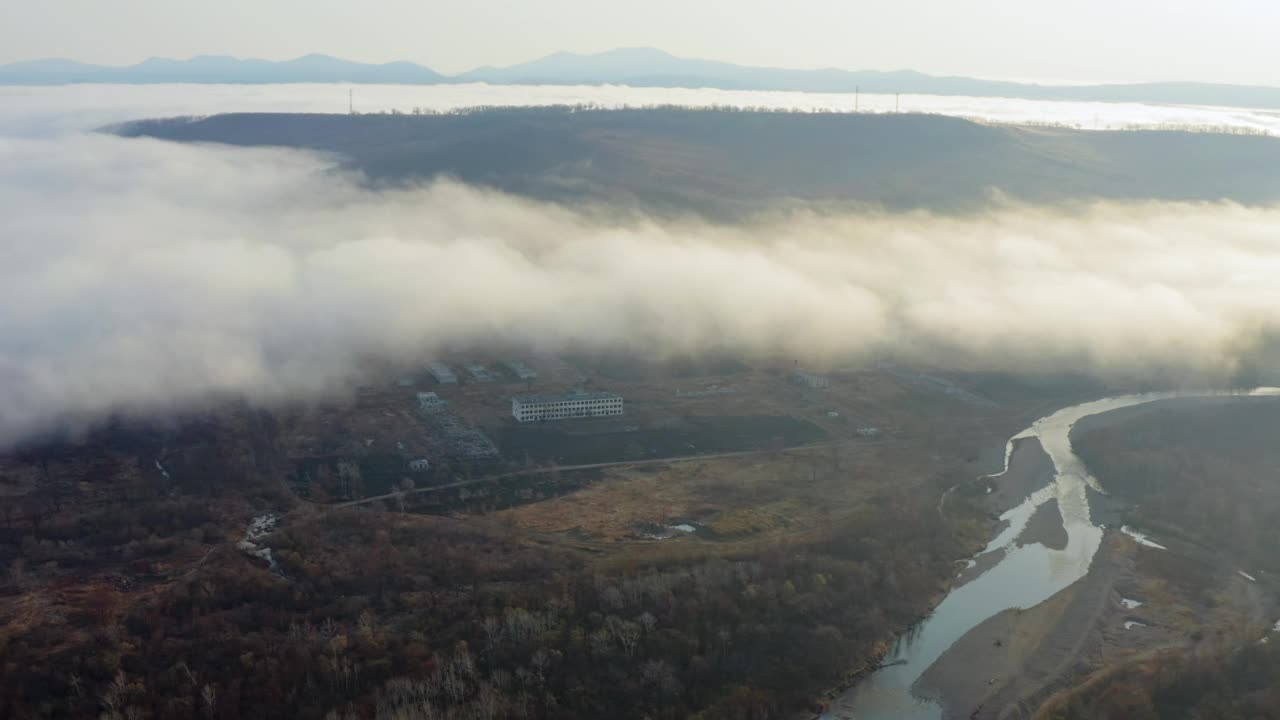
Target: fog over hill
{"x":640,"y":67}
{"x":734,"y":163}
{"x":150,"y":276}
{"x":272,"y":257}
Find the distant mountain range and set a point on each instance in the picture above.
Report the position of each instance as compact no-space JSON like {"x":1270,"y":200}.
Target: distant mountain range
{"x":640,"y":67}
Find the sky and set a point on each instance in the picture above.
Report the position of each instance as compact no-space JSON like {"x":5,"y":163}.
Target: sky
{"x":1227,"y":41}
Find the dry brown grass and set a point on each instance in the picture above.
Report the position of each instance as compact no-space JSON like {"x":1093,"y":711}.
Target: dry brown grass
{"x":740,"y":501}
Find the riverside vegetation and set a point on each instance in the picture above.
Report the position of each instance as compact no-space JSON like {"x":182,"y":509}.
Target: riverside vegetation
{"x":127,"y":597}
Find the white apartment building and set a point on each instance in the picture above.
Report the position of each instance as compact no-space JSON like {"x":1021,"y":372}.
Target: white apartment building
{"x":530,"y":408}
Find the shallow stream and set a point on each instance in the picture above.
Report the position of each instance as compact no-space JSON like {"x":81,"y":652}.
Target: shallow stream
{"x":1023,"y":577}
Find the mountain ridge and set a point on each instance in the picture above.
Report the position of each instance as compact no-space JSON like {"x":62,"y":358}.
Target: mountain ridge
{"x":730,"y":164}
{"x":634,"y":66}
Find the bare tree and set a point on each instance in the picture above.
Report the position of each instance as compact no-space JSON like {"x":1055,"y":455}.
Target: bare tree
{"x":113,"y":697}
{"x":613,"y":598}
{"x":541,"y":661}
{"x":405,"y":699}
{"x":187,"y":669}
{"x":625,"y":632}
{"x":210,"y":698}
{"x":367,"y":624}
{"x":493,"y":632}
{"x":488,"y":703}
{"x":601,"y":642}
{"x":647,"y":621}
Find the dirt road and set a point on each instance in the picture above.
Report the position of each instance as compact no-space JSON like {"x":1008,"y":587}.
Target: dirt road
{"x":591,"y":466}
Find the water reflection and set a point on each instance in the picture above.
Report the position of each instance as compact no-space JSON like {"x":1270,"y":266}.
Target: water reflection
{"x":1024,"y":577}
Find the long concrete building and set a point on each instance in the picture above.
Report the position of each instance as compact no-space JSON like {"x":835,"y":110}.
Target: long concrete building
{"x":442,"y":373}
{"x":531,"y":408}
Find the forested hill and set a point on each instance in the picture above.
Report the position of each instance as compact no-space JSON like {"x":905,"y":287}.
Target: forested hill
{"x":727,"y":162}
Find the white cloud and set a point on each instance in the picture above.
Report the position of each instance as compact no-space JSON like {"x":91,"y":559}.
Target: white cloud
{"x":143,"y":276}
{"x":40,"y":111}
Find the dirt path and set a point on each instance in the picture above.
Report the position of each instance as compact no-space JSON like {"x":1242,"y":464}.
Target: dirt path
{"x":590,"y":466}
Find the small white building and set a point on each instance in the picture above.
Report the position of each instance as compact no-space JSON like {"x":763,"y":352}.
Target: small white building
{"x":531,"y":408}
{"x":442,"y":373}
{"x":419,"y":465}
{"x":480,"y":372}
{"x":521,"y":370}
{"x":810,"y":380}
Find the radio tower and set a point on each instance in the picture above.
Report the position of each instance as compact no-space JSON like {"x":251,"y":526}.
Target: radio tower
{"x":351,"y":102}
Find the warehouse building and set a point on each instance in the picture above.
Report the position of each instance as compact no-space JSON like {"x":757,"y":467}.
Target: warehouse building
{"x":480,"y":373}
{"x":530,"y":408}
{"x":521,"y":370}
{"x":442,"y":373}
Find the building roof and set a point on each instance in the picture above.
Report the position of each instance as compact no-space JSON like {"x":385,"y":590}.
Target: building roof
{"x":566,"y":397}
{"x":441,"y":371}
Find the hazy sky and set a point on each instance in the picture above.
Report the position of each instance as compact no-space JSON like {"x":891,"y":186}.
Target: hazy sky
{"x":1086,"y":40}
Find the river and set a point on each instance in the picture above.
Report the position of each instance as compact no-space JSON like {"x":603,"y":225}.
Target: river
{"x":1023,"y":577}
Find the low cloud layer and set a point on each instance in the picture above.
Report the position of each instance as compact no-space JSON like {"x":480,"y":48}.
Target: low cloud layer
{"x":144,"y":276}
{"x":43,"y":111}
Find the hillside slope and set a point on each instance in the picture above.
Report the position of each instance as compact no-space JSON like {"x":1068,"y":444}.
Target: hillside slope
{"x":730,"y":162}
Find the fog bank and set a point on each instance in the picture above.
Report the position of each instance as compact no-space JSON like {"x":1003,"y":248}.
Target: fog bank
{"x":43,"y":111}
{"x":145,"y":276}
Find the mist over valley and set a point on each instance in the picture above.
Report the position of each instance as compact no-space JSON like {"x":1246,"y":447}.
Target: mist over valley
{"x":576,"y":400}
